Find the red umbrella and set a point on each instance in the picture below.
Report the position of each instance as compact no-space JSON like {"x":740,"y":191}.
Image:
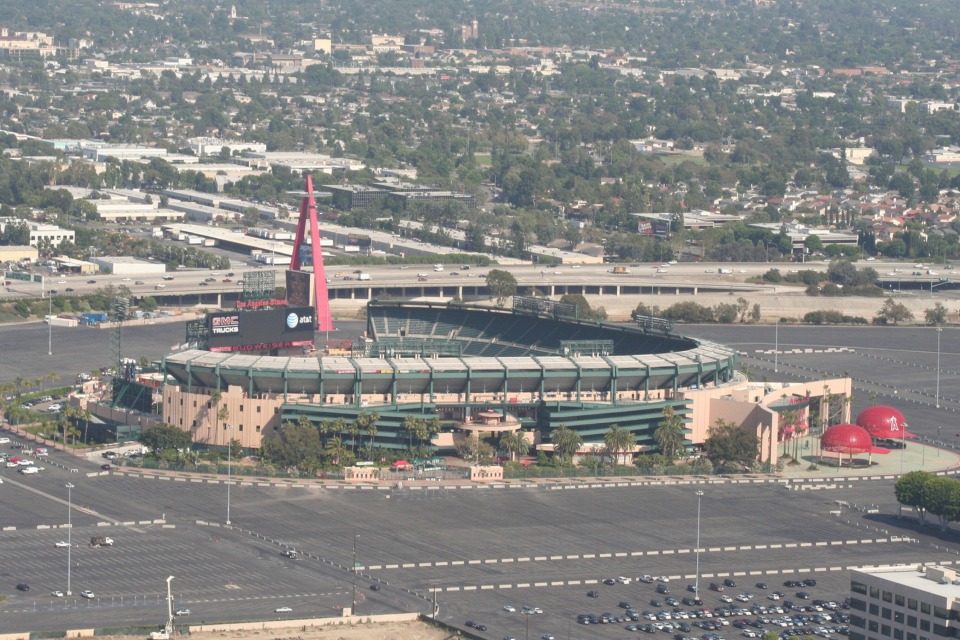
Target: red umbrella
{"x":401,"y":463}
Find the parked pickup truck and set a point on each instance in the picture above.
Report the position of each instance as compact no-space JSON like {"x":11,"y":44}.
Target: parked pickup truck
{"x":101,"y":541}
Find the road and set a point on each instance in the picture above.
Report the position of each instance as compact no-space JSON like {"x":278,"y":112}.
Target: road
{"x":530,"y":275}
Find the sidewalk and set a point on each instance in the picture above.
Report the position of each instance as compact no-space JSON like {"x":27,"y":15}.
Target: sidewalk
{"x":915,"y":457}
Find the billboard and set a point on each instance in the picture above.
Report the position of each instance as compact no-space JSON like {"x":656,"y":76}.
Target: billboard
{"x":300,"y":290}
{"x":656,"y":228}
{"x":251,"y":330}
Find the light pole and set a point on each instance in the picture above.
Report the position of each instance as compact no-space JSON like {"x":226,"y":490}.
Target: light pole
{"x":939,"y":331}
{"x":696,"y":584}
{"x":50,"y":327}
{"x":776,"y":338}
{"x":69,"y":486}
{"x":226,"y":427}
{"x":353,"y":599}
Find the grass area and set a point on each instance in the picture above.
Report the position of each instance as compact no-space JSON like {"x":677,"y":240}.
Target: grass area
{"x":673,"y":160}
{"x":483,"y":159}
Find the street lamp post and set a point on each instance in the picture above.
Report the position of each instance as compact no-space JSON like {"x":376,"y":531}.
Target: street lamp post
{"x":696,"y":584}
{"x":69,"y":486}
{"x":939,"y":331}
{"x":50,"y":327}
{"x":226,"y":427}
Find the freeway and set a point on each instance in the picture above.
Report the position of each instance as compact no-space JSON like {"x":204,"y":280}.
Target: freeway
{"x":742,"y":276}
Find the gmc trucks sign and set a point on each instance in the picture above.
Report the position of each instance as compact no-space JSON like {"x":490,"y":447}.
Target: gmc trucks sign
{"x":251,"y":330}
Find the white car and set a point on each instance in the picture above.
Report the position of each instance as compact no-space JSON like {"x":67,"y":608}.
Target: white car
{"x":726,"y":598}
{"x":55,"y":407}
{"x":509,"y":608}
{"x":89,"y":595}
{"x":62,"y":543}
{"x":57,"y":594}
{"x":31,"y":470}
{"x":623,"y":580}
{"x":23,"y":462}
{"x":11,"y":464}
{"x":663,"y":578}
{"x":282,"y":610}
{"x":182,"y":612}
{"x":661,"y":270}
{"x":4,"y":440}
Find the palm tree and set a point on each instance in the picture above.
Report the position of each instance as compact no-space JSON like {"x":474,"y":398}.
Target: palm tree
{"x":53,"y":376}
{"x":669,"y":435}
{"x":367,"y":423}
{"x":335,"y":449}
{"x":86,"y":423}
{"x":619,"y":440}
{"x":566,"y":442}
{"x":215,"y":399}
{"x":515,"y":443}
{"x":411,"y":426}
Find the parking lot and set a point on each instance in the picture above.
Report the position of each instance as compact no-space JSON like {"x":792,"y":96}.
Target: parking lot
{"x":474,"y":550}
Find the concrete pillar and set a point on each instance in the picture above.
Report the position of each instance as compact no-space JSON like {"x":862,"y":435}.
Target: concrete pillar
{"x":369,"y":293}
{"x":617,"y":291}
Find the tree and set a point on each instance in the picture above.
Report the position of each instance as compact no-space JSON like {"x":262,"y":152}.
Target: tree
{"x":290,"y":445}
{"x":909,"y":491}
{"x":941,"y":497}
{"x":728,"y":443}
{"x":566,"y":442}
{"x":618,"y":440}
{"x":670,"y":434}
{"x":515,"y":443}
{"x":163,"y":437}
{"x":893,"y":312}
{"x":502,"y":285}
{"x":936,"y":316}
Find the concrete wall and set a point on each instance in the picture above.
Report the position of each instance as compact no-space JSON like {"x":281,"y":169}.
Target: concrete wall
{"x":250,"y":418}
{"x":287,"y":624}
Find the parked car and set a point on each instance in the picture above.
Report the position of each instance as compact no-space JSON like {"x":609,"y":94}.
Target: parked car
{"x":182,"y":612}
{"x":89,"y":595}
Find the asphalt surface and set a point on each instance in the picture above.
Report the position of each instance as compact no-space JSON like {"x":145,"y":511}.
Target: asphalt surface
{"x":86,"y":349}
{"x":475,"y":550}
{"x":894,"y":366}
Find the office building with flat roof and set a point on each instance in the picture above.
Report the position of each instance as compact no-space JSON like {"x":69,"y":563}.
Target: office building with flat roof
{"x":904,"y":603}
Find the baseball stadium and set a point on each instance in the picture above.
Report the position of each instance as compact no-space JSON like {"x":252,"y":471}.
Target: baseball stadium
{"x":531,"y":367}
